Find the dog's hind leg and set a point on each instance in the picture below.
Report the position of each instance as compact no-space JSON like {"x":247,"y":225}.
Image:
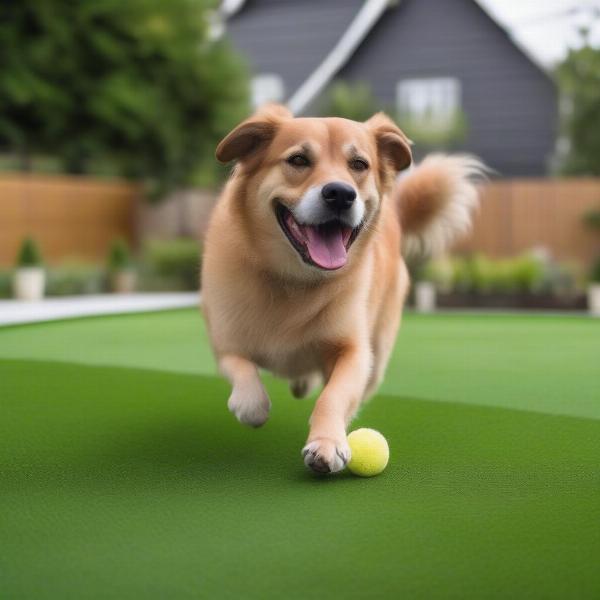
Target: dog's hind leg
{"x":304,"y":386}
{"x":386,"y":330}
{"x":383,"y":345}
{"x":248,"y":401}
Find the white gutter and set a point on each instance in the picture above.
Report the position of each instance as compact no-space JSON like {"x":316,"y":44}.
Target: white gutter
{"x":231,"y":7}
{"x":360,"y":26}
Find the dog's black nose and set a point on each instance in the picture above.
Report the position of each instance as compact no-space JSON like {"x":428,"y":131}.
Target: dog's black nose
{"x":338,"y":195}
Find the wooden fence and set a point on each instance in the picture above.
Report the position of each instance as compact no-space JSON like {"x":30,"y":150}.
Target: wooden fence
{"x":68,"y":216}
{"x":520,"y":214}
{"x":78,"y":217}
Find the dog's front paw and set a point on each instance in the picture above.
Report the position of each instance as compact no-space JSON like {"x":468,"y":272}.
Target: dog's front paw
{"x":324,"y":455}
{"x":250,"y":405}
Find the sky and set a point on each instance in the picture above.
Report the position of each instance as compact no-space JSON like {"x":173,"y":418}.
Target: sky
{"x":546,"y":28}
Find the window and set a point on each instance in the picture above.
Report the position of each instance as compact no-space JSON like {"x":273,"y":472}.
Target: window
{"x":436,"y":100}
{"x":267,"y":88}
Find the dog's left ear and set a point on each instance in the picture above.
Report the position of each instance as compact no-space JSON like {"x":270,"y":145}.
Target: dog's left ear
{"x":252,"y":135}
{"x":393,"y":146}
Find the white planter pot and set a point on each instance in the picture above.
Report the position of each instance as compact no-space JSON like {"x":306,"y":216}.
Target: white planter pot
{"x":29,"y":283}
{"x":593,"y":294}
{"x":425,"y":297}
{"x":124,"y":282}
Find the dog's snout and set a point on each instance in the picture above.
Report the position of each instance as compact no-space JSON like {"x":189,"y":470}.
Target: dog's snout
{"x":338,"y":195}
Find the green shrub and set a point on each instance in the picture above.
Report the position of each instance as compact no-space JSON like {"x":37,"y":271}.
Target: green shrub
{"x":29,"y":254}
{"x":171,"y":264}
{"x":440,"y":272}
{"x":592,"y":220}
{"x":435,"y":135}
{"x":501,"y":277}
{"x":564,"y":279}
{"x":5,"y":284}
{"x":119,"y":256}
{"x":475,"y":273}
{"x":351,"y":101}
{"x":74,"y":277}
{"x":482,"y":275}
{"x":595,"y":272}
{"x":485,"y":275}
{"x":527,"y":273}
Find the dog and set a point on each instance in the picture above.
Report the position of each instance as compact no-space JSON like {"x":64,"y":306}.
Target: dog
{"x":303,"y":271}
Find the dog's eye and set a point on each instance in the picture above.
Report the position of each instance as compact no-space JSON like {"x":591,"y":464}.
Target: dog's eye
{"x":298,"y":160}
{"x":358,"y":164}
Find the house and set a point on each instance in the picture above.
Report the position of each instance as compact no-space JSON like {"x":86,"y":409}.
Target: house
{"x":425,"y":60}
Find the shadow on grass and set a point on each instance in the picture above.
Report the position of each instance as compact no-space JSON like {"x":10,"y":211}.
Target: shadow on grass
{"x":112,"y":426}
{"x":71,"y":425}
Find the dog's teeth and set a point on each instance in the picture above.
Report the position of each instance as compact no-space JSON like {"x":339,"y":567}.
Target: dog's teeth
{"x":346,"y":233}
{"x":295,"y":229}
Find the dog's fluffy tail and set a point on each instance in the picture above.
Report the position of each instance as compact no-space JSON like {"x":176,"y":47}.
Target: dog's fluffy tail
{"x":436,"y":201}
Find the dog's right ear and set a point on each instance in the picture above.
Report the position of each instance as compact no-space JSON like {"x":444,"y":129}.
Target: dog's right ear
{"x":252,"y":135}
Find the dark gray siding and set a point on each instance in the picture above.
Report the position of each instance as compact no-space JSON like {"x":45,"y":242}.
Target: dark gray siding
{"x":510,"y":104}
{"x":290,"y":37}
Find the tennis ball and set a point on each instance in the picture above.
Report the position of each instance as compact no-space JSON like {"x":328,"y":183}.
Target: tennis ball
{"x":370,"y":452}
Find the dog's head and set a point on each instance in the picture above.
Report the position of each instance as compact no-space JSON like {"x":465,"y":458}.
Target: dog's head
{"x":310,"y":188}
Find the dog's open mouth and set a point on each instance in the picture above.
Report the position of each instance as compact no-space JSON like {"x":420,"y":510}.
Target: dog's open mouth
{"x":324,"y":246}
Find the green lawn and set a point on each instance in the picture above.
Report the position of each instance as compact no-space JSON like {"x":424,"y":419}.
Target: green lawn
{"x":122,"y":475}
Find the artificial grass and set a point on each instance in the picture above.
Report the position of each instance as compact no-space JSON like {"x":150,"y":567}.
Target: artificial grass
{"x":546,"y":364}
{"x":121,"y":482}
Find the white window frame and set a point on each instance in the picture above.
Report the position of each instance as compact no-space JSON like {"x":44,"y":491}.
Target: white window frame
{"x":435,"y":100}
{"x":267,"y":87}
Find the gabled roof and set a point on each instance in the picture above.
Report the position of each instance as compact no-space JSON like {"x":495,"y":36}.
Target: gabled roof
{"x":515,"y":41}
{"x":365,"y":17}
{"x":358,"y":29}
{"x":290,"y":38}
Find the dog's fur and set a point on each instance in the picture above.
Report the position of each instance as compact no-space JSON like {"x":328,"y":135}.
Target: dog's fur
{"x":266,"y":307}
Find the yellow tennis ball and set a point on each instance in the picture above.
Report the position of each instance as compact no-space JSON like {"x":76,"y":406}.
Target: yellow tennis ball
{"x":370,"y":452}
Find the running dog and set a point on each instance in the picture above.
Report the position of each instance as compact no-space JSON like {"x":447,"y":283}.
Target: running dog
{"x":303,"y":270}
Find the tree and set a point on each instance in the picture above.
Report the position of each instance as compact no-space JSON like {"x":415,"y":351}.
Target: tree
{"x":350,"y":101}
{"x":579,"y":80}
{"x":434,"y":135}
{"x":137,"y":85}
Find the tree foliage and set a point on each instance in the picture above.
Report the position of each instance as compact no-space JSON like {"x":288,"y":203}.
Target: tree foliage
{"x":579,"y":79}
{"x":136,"y":84}
{"x":351,"y":101}
{"x":433,"y":135}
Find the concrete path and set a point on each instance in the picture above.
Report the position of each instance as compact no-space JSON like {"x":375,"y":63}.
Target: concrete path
{"x":50,"y":309}
{"x":13,"y":311}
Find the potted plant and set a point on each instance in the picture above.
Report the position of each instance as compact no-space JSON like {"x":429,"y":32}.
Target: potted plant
{"x":436,"y":273}
{"x":122,"y":275}
{"x":30,"y":276}
{"x":593,"y":292}
{"x":592,"y":221}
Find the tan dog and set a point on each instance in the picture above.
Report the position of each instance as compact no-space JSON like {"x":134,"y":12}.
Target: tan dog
{"x":303,"y":273}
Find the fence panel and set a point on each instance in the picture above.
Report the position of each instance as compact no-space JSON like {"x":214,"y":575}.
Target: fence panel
{"x":69,"y":216}
{"x":79,"y":216}
{"x":520,"y":214}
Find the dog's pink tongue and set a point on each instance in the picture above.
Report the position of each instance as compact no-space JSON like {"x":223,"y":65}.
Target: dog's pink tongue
{"x":326,"y":246}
